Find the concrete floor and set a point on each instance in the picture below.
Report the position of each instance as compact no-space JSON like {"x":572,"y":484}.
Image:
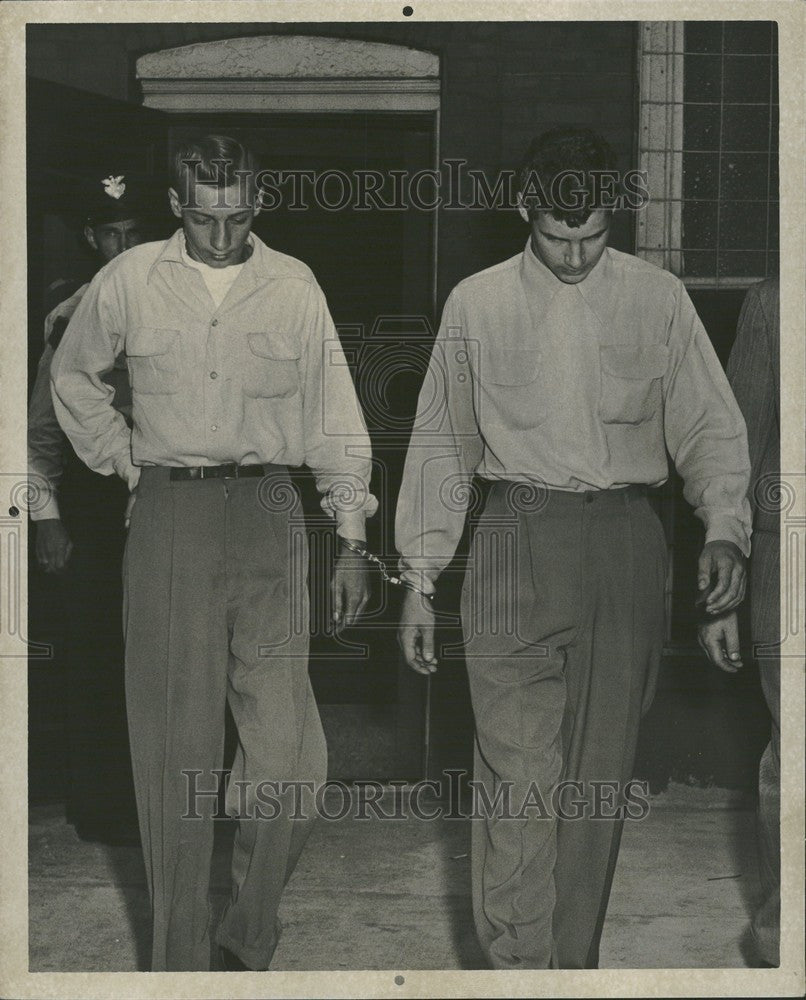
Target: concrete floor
{"x":372,"y":895}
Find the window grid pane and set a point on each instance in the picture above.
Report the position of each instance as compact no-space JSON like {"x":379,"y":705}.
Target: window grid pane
{"x":727,"y":151}
{"x":709,"y":142}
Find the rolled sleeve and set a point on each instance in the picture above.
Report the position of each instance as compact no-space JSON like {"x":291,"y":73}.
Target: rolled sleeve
{"x":705,"y":431}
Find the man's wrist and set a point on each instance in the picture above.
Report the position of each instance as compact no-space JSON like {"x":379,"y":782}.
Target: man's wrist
{"x":419,"y":581}
{"x":351,"y":524}
{"x":49,"y":511}
{"x":345,"y":542}
{"x":733,"y":546}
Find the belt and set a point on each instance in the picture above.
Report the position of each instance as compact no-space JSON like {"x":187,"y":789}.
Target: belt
{"x":543,"y":496}
{"x":229,"y":471}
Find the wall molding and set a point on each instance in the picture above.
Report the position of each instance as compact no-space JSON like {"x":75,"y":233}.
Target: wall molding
{"x":290,"y":73}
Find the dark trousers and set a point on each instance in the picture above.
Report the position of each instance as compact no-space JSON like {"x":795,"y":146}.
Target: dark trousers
{"x":563,"y":621}
{"x":766,"y":634}
{"x":100,"y":792}
{"x":216,"y":611}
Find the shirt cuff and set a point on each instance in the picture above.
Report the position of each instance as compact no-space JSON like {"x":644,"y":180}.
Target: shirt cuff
{"x":129,"y":473}
{"x":49,"y":512}
{"x":724,"y":528}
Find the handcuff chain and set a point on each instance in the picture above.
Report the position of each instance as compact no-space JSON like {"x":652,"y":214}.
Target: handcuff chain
{"x":385,"y":575}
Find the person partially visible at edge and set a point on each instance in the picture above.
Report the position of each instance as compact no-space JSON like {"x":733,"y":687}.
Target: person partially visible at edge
{"x":236,"y":373}
{"x":79,"y":536}
{"x":754,"y":373}
{"x":116,"y":219}
{"x":559,"y":379}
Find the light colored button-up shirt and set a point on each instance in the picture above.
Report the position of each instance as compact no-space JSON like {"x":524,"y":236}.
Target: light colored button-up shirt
{"x":259,"y":379}
{"x":576,"y":387}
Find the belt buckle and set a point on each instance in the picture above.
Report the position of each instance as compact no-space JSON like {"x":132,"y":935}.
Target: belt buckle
{"x":233,"y":474}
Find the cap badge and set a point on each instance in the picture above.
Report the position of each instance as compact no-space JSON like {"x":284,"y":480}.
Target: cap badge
{"x":114,"y":186}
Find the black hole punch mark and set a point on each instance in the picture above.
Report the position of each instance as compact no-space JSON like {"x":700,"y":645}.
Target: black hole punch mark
{"x":407,"y":12}
{"x":14,"y":511}
{"x":399,"y":980}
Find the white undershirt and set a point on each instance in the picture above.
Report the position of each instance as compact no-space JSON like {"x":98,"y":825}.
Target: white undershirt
{"x":218,"y":280}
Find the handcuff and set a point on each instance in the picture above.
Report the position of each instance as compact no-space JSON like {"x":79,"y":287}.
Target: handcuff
{"x":385,"y":575}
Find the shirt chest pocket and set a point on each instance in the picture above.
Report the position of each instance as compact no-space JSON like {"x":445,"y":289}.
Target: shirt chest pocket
{"x":631,"y":382}
{"x":153,"y":360}
{"x":271,"y":367}
{"x":510,"y":378}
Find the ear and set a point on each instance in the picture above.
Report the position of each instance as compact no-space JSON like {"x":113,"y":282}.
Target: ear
{"x":523,"y":211}
{"x":89,"y":236}
{"x":173,"y":198}
{"x":258,"y":201}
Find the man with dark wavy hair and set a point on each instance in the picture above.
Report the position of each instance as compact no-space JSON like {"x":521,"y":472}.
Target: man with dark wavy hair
{"x":559,"y":379}
{"x":236,"y":373}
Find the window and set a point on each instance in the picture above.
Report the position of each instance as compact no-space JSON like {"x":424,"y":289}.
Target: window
{"x":709,"y":143}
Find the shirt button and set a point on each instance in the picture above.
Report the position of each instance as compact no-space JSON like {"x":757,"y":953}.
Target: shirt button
{"x":461,"y":377}
{"x":213,"y":374}
{"x":214,"y":323}
{"x":213,"y":427}
{"x":461,"y":357}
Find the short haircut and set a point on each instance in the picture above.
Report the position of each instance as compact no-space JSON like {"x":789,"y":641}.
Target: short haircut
{"x":558,"y":151}
{"x":215,"y":160}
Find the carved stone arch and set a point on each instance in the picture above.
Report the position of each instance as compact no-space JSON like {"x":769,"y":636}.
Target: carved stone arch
{"x":290,"y":73}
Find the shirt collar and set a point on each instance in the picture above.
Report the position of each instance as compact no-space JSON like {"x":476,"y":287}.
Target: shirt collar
{"x":541,"y":285}
{"x":173,"y":250}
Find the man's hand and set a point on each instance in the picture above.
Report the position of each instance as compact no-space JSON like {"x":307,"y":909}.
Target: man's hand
{"x":416,"y":633}
{"x":350,"y":585}
{"x":719,"y":640}
{"x":53,"y":545}
{"x":127,"y":514}
{"x":721,"y":577}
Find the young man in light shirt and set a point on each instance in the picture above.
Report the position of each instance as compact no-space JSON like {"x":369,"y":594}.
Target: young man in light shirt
{"x":236,"y":374}
{"x":560,"y":378}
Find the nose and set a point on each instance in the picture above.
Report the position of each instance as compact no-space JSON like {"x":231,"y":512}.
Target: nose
{"x":220,"y":237}
{"x":575,"y":257}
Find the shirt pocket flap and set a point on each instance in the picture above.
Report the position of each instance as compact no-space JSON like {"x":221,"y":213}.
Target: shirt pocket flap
{"x":627,"y":361}
{"x":509,"y":366}
{"x":269,"y":345}
{"x":149,"y":341}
